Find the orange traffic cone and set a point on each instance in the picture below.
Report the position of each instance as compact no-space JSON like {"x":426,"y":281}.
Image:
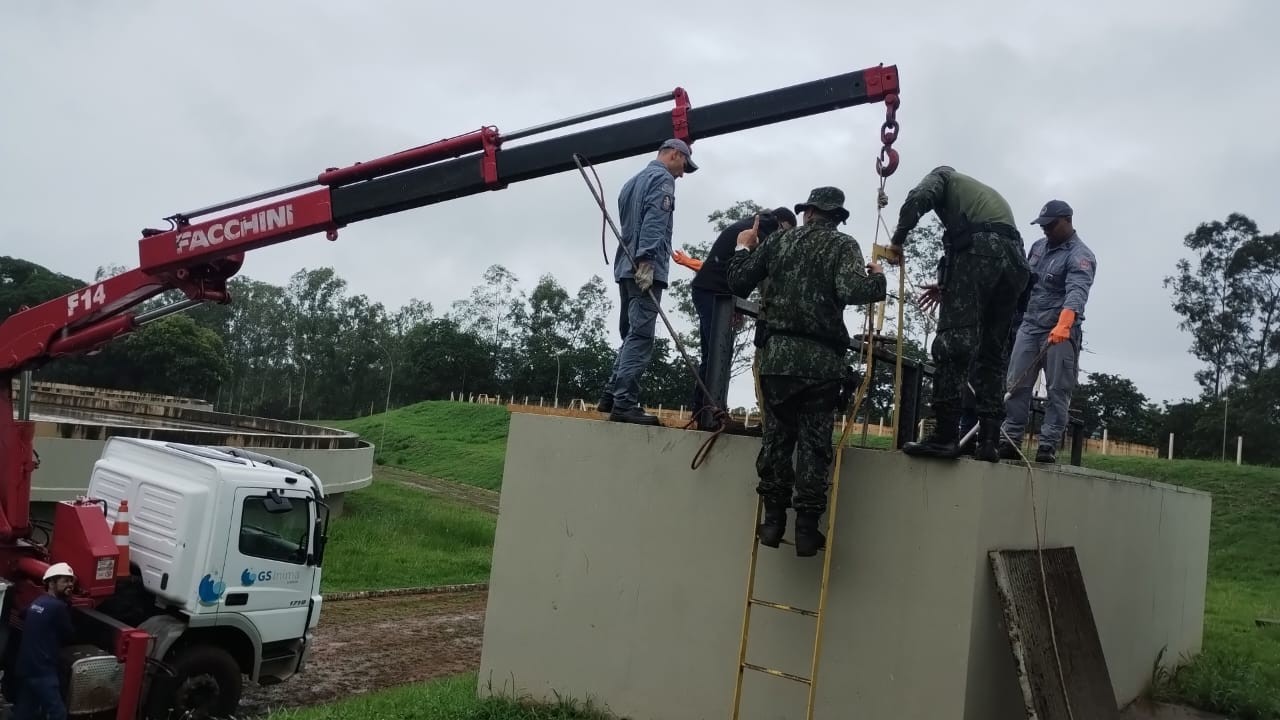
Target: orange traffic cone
{"x":120,"y":530}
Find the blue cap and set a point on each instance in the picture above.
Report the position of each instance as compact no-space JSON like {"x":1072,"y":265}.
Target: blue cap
{"x":677,"y":144}
{"x":1051,"y":211}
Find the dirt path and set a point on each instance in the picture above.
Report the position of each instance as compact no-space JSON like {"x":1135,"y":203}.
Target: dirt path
{"x":486,"y":500}
{"x":376,"y":643}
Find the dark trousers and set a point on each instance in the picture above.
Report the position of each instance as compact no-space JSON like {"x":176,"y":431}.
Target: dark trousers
{"x":978,"y":306}
{"x":40,"y":697}
{"x":637,"y":321}
{"x":799,"y":419}
{"x":704,"y":303}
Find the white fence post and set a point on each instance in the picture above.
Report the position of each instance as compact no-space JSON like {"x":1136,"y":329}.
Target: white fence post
{"x":1170,"y":446}
{"x":1239,"y":448}
{"x":1104,"y":441}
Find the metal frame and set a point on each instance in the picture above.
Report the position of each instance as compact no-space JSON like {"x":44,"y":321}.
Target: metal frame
{"x":720,"y":359}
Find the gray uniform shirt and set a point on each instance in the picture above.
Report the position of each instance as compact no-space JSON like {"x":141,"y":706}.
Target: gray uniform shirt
{"x":1063,"y":277}
{"x":646,"y":205}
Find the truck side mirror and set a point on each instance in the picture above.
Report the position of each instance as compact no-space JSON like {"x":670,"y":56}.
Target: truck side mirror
{"x":321,"y":534}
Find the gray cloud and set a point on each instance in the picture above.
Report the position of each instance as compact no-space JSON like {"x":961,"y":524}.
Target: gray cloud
{"x":1147,"y":120}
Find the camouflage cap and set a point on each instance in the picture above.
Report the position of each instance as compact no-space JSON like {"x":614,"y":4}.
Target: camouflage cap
{"x":828,"y":199}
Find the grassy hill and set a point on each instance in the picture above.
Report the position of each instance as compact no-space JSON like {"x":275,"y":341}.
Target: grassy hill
{"x":456,"y":441}
{"x":1238,"y":670}
{"x":392,"y":536}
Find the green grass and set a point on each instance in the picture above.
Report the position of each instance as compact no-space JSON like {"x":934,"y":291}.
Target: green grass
{"x":1238,"y":670}
{"x":449,"y":699}
{"x":456,"y":441}
{"x":392,"y":536}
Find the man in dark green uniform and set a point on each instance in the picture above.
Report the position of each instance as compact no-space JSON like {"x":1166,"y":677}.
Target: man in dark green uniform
{"x":814,"y":272}
{"x":983,"y":274}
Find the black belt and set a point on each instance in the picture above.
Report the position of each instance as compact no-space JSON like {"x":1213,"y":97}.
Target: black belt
{"x":962,"y":238}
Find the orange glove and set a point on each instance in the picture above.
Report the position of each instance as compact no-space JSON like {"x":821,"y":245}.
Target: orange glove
{"x":1062,"y":331}
{"x":682,"y":258}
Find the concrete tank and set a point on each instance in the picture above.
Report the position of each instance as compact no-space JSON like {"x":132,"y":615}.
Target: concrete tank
{"x":74,"y":422}
{"x":620,"y":574}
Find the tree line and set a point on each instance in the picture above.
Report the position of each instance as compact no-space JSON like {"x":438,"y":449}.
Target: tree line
{"x":311,"y":349}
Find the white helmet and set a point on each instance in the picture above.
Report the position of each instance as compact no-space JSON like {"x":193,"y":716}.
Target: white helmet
{"x":58,"y":570}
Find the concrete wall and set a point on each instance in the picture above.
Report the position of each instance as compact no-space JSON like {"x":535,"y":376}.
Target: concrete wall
{"x":72,"y":423}
{"x":620,"y":574}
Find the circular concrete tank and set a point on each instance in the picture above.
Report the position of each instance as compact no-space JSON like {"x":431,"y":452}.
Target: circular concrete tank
{"x":74,"y":422}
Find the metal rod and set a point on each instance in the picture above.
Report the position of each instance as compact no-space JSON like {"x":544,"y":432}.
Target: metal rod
{"x":248,"y":199}
{"x":158,"y":313}
{"x":784,"y":608}
{"x":24,"y":396}
{"x":777,"y":673}
{"x":592,"y":115}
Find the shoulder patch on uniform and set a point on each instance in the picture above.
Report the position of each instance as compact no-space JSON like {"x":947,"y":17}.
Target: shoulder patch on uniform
{"x":666,"y":202}
{"x":1085,"y":263}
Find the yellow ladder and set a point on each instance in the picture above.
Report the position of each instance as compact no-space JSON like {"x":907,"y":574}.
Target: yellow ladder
{"x":743,"y":665}
{"x":812,"y":680}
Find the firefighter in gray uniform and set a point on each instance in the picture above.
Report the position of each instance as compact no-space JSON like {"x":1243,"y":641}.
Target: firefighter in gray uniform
{"x":1062,"y":270}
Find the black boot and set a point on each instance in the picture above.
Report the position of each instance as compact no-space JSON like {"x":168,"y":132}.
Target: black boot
{"x":633,"y":415}
{"x":1046,"y":454}
{"x":1008,"y":450}
{"x":941,"y":443}
{"x":771,"y":529}
{"x":809,"y":539}
{"x":988,"y":440}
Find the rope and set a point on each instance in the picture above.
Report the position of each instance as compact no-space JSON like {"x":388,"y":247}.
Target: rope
{"x":1035,"y":516}
{"x":603,"y":217}
{"x":718,"y":413}
{"x":882,"y":200}
{"x":1044,"y":580}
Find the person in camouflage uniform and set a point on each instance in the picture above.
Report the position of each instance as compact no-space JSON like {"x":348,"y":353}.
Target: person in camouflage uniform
{"x":983,"y":276}
{"x":814,"y":271}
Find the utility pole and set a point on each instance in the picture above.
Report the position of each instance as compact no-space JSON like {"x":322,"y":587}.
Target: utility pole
{"x":1226,"y":401}
{"x":557,"y":393}
{"x":386,"y":408}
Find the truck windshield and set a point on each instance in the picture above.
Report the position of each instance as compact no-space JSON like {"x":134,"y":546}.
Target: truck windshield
{"x":279,"y":536}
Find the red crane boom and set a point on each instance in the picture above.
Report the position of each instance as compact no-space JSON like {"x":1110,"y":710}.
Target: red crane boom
{"x":197,"y":257}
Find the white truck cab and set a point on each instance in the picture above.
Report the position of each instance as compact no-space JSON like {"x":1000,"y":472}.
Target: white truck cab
{"x":225,"y":548}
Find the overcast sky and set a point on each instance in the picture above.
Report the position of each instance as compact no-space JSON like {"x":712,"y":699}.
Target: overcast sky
{"x":1147,"y":119}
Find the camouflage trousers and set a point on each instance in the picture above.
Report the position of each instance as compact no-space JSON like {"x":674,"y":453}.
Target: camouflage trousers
{"x":979,"y":301}
{"x":799,"y":419}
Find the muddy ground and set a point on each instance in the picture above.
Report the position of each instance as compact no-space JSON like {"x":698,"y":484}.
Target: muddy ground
{"x":376,"y":643}
{"x":476,"y":497}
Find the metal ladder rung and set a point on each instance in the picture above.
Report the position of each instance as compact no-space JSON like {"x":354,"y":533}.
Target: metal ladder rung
{"x":776,"y":673}
{"x":785,"y":541}
{"x":787,"y":608}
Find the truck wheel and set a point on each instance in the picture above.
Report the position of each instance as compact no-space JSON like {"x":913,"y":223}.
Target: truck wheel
{"x":207,"y":685}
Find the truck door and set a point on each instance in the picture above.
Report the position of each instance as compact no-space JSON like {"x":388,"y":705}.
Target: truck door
{"x":266,"y":570}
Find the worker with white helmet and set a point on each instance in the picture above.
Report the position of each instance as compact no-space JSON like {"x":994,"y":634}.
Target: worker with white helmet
{"x":45,"y":629}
